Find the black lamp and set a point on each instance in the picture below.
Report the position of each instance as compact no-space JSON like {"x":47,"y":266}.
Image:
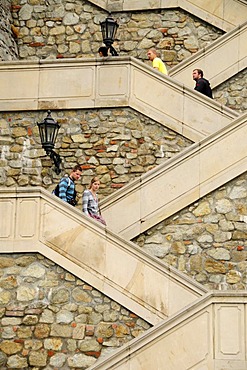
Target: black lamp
{"x":109,"y":28}
{"x":48,"y":130}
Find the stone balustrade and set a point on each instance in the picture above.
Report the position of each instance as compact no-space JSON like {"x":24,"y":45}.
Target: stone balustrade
{"x":94,"y":83}
{"x":179,"y":182}
{"x":36,"y":221}
{"x":210,"y":334}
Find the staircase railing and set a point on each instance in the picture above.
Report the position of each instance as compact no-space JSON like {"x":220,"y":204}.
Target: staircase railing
{"x":37,"y":221}
{"x":178,"y":182}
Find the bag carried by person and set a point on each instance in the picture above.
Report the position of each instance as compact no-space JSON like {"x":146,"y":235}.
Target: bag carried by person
{"x":73,"y":201}
{"x":98,"y":218}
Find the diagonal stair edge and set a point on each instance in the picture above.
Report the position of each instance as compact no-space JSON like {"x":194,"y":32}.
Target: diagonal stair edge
{"x":91,"y":87}
{"x":178,"y":182}
{"x":232,"y":45}
{"x":205,"y":310}
{"x":221,"y":14}
{"x":114,"y":266}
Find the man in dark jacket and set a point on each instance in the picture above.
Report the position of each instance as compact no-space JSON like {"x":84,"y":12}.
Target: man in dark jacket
{"x":202,"y":85}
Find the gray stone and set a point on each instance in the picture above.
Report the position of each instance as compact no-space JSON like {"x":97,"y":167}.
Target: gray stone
{"x":219,"y":254}
{"x":17,"y":362}
{"x":34,"y":270}
{"x":81,"y":361}
{"x":26,"y":293}
{"x":3,"y":359}
{"x":25,"y":12}
{"x":64,"y":317}
{"x":38,"y":358}
{"x":58,"y":360}
{"x":223,"y":206}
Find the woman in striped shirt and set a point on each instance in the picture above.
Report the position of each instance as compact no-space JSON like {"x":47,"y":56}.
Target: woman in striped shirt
{"x":90,"y":203}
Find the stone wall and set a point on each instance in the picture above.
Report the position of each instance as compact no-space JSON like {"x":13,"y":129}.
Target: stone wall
{"x":72,"y":29}
{"x":8,"y":32}
{"x":52,"y":320}
{"x":233,"y":92}
{"x":115,"y":144}
{"x":208,"y":239}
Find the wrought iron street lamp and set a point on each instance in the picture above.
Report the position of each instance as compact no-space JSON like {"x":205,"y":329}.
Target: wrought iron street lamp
{"x":48,"y":130}
{"x":109,"y":28}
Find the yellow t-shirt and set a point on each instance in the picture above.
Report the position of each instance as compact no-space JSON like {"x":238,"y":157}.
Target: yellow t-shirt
{"x":157,"y":63}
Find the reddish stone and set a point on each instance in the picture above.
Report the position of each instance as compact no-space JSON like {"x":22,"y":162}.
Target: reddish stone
{"x":100,"y":340}
{"x":86,"y":166}
{"x":89,"y":330}
{"x":15,"y":8}
{"x":93,"y":353}
{"x":133,"y":315}
{"x":36,"y":44}
{"x":117,"y":185}
{"x":50,"y":353}
{"x":29,"y":131}
{"x":240,"y":248}
{"x":187,"y":242}
{"x":130,"y":324}
{"x":19,"y":340}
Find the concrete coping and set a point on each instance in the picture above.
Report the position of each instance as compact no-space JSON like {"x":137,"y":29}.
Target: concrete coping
{"x":176,"y":159}
{"x":132,"y":248}
{"x":207,"y":49}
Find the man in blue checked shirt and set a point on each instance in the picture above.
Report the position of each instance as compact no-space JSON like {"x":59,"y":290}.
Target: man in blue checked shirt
{"x":66,"y":187}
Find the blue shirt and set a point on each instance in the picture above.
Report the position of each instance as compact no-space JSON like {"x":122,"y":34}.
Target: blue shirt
{"x":66,"y":189}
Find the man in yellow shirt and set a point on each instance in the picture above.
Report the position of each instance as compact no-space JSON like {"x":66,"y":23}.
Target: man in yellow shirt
{"x":157,"y":62}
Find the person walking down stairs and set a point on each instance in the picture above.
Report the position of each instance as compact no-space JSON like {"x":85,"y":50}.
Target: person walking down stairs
{"x":202,"y":85}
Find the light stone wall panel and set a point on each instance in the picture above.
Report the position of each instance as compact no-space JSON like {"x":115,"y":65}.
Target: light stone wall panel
{"x":68,"y":83}
{"x":27,"y":218}
{"x":157,"y":99}
{"x":7,"y":224}
{"x":18,"y":83}
{"x":113,"y":85}
{"x":230,"y":333}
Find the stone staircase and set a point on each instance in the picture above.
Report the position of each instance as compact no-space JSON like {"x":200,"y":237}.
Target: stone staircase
{"x":187,"y":176}
{"x":225,"y":68}
{"x":223,"y":14}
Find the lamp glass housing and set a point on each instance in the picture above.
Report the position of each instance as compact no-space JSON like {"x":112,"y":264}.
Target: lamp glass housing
{"x":109,"y":28}
{"x":48,"y":130}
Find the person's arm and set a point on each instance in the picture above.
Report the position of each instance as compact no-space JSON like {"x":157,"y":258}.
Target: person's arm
{"x":85,"y":200}
{"x":63,"y":186}
{"x":156,"y":63}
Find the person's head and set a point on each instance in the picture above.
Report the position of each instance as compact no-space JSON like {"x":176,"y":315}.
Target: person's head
{"x":76,"y":172}
{"x":94,"y":184}
{"x":152,"y":53}
{"x":103,"y":51}
{"x":197,"y":73}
